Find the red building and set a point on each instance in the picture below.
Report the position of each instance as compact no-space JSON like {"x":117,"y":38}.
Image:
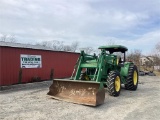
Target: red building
{"x":22,"y":63}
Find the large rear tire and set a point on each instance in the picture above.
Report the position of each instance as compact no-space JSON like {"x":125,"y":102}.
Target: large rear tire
{"x":132,"y":78}
{"x":114,"y":83}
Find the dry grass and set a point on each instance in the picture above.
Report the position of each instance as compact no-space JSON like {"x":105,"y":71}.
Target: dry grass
{"x":146,"y":68}
{"x":157,"y":73}
{"x":150,"y":69}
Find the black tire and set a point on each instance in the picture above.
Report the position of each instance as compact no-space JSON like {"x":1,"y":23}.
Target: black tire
{"x":114,"y":83}
{"x":132,"y":78}
{"x":151,"y":74}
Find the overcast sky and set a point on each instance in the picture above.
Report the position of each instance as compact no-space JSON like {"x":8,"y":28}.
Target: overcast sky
{"x":133,"y":23}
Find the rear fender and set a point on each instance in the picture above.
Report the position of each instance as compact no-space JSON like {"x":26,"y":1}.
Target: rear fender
{"x":124,"y":69}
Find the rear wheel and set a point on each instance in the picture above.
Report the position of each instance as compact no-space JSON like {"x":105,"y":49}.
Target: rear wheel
{"x":114,"y":83}
{"x":132,"y":78}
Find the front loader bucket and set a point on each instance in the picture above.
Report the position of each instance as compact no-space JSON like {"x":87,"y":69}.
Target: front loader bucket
{"x":80,"y":92}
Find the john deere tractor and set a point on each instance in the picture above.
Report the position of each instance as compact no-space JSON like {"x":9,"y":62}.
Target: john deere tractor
{"x":93,"y":73}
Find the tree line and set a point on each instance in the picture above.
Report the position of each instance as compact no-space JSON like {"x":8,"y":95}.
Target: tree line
{"x":151,"y":60}
{"x":8,"y":38}
{"x":53,"y":44}
{"x":133,"y":55}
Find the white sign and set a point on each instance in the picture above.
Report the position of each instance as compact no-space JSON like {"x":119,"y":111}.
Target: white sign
{"x":31,"y":61}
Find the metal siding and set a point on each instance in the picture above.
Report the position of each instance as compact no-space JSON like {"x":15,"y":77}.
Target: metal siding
{"x":9,"y":66}
{"x":0,"y":66}
{"x":62,"y":63}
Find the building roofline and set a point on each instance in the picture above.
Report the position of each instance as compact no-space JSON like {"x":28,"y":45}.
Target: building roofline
{"x":29,"y":46}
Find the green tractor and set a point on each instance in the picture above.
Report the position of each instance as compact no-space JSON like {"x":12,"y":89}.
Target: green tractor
{"x":93,"y":75}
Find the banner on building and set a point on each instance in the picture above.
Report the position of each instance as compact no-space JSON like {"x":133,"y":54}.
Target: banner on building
{"x":31,"y":61}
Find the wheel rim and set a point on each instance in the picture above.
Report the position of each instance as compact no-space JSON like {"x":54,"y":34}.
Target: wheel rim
{"x":135,"y":78}
{"x":117,"y":84}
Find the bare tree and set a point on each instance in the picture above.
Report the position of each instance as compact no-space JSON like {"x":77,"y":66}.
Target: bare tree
{"x":46,"y":44}
{"x":74,"y":46}
{"x":3,"y":38}
{"x":67,"y":48}
{"x":156,"y":60}
{"x":8,"y":38}
{"x":156,"y":50}
{"x":54,"y":44}
{"x":158,"y":46}
{"x":156,"y":55}
{"x":57,"y":45}
{"x":134,"y":56}
{"x":12,"y":38}
{"x":88,"y":50}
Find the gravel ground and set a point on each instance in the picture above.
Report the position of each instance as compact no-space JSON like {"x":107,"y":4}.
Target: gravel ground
{"x":30,"y":102}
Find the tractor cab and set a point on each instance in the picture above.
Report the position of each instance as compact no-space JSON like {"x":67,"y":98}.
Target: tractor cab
{"x":115,"y":49}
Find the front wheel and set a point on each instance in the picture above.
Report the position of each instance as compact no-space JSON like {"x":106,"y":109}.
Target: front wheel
{"x":114,"y":83}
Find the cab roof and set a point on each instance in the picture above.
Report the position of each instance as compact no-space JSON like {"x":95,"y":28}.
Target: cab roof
{"x":114,"y":48}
